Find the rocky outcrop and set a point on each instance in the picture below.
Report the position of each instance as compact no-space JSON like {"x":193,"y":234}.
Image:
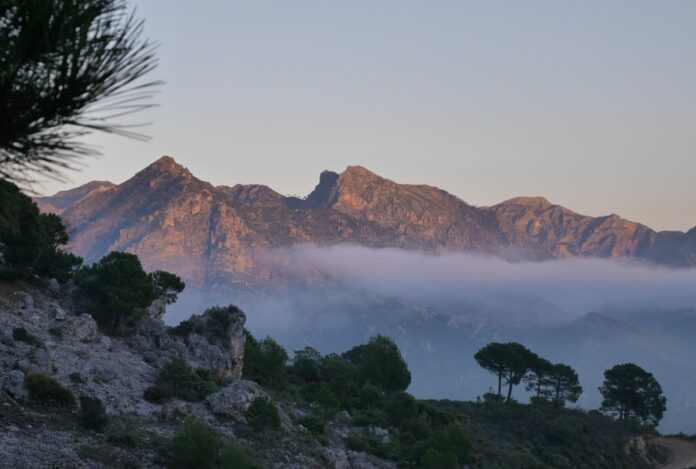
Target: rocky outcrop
{"x":70,"y":348}
{"x":235,"y":398}
{"x":210,"y":235}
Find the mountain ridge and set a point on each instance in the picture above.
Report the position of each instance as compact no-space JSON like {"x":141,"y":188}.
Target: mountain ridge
{"x":209,"y":234}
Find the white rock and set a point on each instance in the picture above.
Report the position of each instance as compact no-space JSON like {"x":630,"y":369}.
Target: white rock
{"x":235,"y":398}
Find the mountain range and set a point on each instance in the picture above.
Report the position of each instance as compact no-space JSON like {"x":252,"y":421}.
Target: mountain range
{"x":211,"y":235}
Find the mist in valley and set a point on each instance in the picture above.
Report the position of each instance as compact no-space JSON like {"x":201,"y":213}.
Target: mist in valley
{"x":441,"y":308}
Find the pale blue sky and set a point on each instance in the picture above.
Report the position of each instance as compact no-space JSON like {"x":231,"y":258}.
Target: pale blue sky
{"x":589,"y":103}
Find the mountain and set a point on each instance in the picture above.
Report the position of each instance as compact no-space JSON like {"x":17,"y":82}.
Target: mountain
{"x":211,"y":235}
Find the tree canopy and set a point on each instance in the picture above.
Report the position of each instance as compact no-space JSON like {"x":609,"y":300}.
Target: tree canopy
{"x":30,"y":241}
{"x":118,"y":290}
{"x":380,"y":362}
{"x":509,"y":361}
{"x":632,"y":394}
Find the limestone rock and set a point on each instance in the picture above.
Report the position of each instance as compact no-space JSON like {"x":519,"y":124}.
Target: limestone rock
{"x":235,"y":398}
{"x":82,"y":328}
{"x":13,"y":384}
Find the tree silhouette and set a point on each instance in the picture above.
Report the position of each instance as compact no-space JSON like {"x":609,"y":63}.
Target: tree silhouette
{"x":67,"y":68}
{"x":565,"y":385}
{"x":510,"y":362}
{"x":632,"y":394}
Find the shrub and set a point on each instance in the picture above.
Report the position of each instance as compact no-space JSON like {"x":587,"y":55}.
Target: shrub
{"x":314,"y":422}
{"x":92,"y":413}
{"x":369,"y":397}
{"x":264,"y":361}
{"x":262,"y":414}
{"x":20,"y":334}
{"x":401,"y":407}
{"x":178,"y":379}
{"x":447,"y":447}
{"x":306,"y":365}
{"x":125,"y":434}
{"x":196,"y":446}
{"x":434,"y":459}
{"x":367,"y":444}
{"x":380,"y":362}
{"x":45,"y":390}
{"x":183,"y":329}
{"x":154,"y":394}
{"x":233,"y":457}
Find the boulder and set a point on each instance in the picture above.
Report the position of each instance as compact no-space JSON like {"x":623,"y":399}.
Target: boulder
{"x":235,"y":398}
{"x":13,"y":385}
{"x":59,"y":313}
{"x":82,"y":328}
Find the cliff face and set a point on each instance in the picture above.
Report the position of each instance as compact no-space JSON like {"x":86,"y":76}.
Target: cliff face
{"x":209,"y":234}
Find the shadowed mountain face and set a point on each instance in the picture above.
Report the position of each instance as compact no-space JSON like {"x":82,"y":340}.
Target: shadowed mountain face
{"x":210,"y":235}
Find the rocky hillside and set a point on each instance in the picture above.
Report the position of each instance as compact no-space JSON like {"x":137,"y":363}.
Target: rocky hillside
{"x":210,"y":235}
{"x":41,"y":335}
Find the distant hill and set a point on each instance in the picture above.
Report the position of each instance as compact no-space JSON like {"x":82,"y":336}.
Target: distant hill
{"x":210,"y":235}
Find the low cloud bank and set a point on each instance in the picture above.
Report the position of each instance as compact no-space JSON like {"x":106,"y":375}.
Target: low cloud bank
{"x":577,"y":285}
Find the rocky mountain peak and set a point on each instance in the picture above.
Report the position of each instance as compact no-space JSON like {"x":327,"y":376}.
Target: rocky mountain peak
{"x":165,"y":167}
{"x":531,"y":202}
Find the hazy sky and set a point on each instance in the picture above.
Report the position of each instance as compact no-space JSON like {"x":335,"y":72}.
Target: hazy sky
{"x":589,"y":103}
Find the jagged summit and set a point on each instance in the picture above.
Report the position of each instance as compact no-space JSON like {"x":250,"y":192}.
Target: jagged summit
{"x":166,"y":165}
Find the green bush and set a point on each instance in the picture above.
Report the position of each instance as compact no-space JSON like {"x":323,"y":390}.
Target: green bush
{"x":380,"y":362}
{"x":448,"y":446}
{"x":262,"y":414}
{"x":117,"y":290}
{"x":401,"y":407}
{"x":178,"y":379}
{"x":20,"y":334}
{"x":314,"y":422}
{"x":370,"y":397}
{"x":92,"y":413}
{"x":198,"y":446}
{"x":264,"y":361}
{"x":45,"y":390}
{"x":368,"y":444}
{"x":155,"y":395}
{"x":306,"y":365}
{"x":233,"y":457}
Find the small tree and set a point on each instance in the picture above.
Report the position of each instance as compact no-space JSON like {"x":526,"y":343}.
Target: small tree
{"x":632,"y":394}
{"x":380,"y":362}
{"x":565,"y":385}
{"x":264,"y":361}
{"x":538,"y":378}
{"x":30,"y":241}
{"x":510,"y":362}
{"x":262,"y":414}
{"x":167,"y":285}
{"x":118,"y":290}
{"x":306,"y":364}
